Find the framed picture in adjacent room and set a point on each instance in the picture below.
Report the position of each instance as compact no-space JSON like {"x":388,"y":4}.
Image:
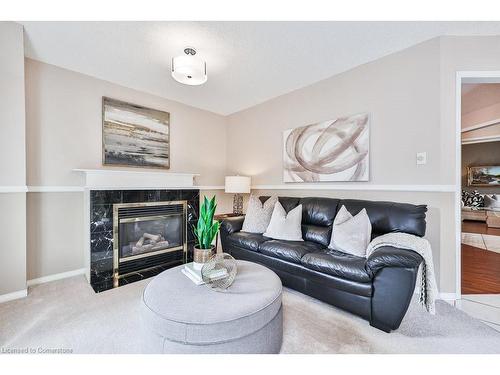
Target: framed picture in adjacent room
{"x":134,"y":136}
{"x":484,"y":176}
{"x":334,"y":150}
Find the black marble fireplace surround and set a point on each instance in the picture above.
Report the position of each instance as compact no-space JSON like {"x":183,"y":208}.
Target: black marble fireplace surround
{"x":101,"y":230}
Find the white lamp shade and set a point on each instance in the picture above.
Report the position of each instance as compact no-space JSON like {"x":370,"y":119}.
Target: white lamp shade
{"x":237,"y":184}
{"x":189,"y":70}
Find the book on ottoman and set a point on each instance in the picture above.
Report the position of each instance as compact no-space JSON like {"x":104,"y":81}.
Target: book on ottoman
{"x":195,"y":275}
{"x":192,"y":273}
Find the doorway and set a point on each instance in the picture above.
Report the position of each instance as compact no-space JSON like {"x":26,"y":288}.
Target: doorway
{"x":478,"y":199}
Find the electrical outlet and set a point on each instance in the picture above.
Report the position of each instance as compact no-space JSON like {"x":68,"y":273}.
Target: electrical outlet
{"x":421,"y":158}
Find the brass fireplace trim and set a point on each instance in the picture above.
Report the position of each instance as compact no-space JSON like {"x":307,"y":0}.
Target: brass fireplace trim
{"x":144,"y":255}
{"x":117,"y":206}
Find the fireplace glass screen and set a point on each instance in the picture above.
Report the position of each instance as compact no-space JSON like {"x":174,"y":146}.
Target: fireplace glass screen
{"x":143,"y":235}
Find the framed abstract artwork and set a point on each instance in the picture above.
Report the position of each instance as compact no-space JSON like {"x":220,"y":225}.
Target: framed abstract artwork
{"x":134,"y":136}
{"x":334,"y":150}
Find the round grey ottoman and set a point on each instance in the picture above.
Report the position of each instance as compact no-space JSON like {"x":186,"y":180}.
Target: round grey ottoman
{"x":181,"y":317}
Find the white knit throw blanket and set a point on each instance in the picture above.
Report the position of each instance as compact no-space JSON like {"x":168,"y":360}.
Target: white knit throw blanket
{"x":428,"y":285}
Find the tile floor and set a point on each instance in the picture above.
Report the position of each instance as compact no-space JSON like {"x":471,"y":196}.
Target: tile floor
{"x":485,"y":307}
{"x":483,"y":241}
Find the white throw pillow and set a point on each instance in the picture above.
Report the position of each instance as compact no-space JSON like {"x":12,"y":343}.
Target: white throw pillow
{"x":351,"y":234}
{"x":285,"y":226}
{"x":258,"y":214}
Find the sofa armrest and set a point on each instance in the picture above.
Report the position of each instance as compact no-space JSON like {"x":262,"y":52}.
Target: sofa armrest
{"x":389,"y":256}
{"x":394,"y":273}
{"x":232,"y":224}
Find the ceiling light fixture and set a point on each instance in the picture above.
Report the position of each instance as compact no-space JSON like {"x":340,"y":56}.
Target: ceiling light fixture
{"x":189,"y":69}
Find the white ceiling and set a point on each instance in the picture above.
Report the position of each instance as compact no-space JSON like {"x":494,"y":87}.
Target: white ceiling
{"x":248,"y":62}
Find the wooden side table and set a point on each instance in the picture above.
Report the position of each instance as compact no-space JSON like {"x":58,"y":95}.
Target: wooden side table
{"x":220,"y":217}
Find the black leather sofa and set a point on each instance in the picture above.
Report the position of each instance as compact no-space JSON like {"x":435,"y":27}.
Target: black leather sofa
{"x":378,"y":288}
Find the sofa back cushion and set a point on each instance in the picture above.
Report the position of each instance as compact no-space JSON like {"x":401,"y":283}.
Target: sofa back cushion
{"x":317,"y":219}
{"x":318,"y":215}
{"x":387,"y":217}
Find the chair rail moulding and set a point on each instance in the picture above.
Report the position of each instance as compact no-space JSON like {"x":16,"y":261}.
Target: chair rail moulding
{"x":357,"y":186}
{"x":13,"y":189}
{"x":109,"y":179}
{"x":55,"y":189}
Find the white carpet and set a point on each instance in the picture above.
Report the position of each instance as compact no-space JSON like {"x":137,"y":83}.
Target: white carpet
{"x":67,"y":314}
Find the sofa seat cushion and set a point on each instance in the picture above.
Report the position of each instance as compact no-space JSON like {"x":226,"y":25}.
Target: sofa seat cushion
{"x":250,"y":241}
{"x":338,"y":264}
{"x":291,"y":251}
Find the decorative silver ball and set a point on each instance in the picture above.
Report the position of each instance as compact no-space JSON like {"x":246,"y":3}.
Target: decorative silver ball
{"x":219,"y":272}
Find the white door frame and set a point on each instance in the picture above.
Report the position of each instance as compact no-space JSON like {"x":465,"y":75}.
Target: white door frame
{"x":463,"y":77}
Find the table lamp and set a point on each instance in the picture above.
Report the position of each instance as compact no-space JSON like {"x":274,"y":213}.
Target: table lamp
{"x":237,"y":185}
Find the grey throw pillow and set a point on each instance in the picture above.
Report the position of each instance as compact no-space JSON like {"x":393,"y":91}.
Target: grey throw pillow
{"x":492,"y":202}
{"x":351,"y":234}
{"x":285,"y":226}
{"x":258,"y":214}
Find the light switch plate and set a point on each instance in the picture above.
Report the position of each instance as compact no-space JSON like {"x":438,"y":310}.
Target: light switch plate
{"x":421,"y":158}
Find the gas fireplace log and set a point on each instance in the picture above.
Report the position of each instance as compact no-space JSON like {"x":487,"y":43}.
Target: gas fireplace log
{"x":152,"y":237}
{"x":153,"y":246}
{"x":161,"y":244}
{"x":142,"y":249}
{"x":140,"y":242}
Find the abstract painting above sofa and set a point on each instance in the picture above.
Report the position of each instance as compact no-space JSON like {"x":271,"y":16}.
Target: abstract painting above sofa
{"x":334,"y":150}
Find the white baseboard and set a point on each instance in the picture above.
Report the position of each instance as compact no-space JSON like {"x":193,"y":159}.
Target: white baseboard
{"x":57,"y":276}
{"x":448,"y":296}
{"x":442,"y":296}
{"x":14,"y":295}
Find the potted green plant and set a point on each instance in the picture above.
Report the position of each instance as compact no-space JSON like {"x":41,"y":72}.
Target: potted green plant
{"x":205,"y":232}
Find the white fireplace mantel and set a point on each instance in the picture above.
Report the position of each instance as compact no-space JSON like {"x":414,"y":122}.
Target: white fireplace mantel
{"x":116,"y":179}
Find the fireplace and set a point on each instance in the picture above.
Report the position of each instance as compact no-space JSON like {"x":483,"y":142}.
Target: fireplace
{"x":147,"y":236}
{"x":151,"y":231}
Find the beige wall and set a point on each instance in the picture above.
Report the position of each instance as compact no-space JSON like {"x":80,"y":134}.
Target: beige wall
{"x":12,"y":119}
{"x":401,"y":94}
{"x":63,"y":114}
{"x":64,"y":123}
{"x":13,"y":249}
{"x":55,"y":228}
{"x":12,"y":160}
